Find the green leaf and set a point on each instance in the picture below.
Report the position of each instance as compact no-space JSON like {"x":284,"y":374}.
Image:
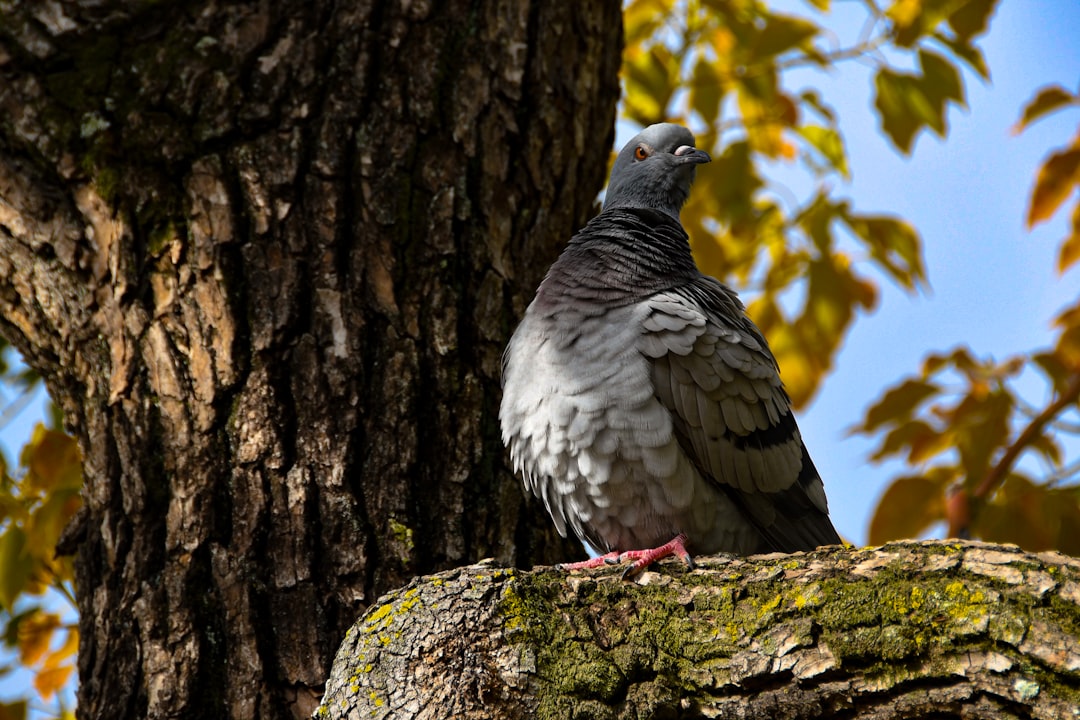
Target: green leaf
{"x":968,"y":53}
{"x":901,"y":107}
{"x":1057,"y":178}
{"x":780,"y":34}
{"x":13,"y":710}
{"x":980,"y":426}
{"x":831,"y":146}
{"x":894,"y":245}
{"x":813,"y":99}
{"x":1048,"y":99}
{"x":941,"y":82}
{"x":971,"y":18}
{"x":651,"y":77}
{"x":898,"y":404}
{"x":908,"y":508}
{"x":15,"y":566}
{"x":706,"y":91}
{"x":906,"y":103}
{"x":1069,"y":252}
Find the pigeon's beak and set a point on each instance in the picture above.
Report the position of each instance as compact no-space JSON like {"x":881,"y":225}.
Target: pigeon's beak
{"x":687,"y":154}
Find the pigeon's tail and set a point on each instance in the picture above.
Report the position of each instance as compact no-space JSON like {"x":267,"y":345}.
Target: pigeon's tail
{"x":800,"y":515}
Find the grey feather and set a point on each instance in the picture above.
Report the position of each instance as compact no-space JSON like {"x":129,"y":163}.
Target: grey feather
{"x":639,"y":400}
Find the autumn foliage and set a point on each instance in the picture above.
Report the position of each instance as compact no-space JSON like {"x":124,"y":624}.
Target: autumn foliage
{"x":811,"y":264}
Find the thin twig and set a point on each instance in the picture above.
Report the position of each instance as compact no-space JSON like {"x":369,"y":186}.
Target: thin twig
{"x":997,"y":474}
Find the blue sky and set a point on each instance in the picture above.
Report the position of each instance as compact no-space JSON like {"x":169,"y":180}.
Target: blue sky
{"x":993,"y":284}
{"x":993,"y":287}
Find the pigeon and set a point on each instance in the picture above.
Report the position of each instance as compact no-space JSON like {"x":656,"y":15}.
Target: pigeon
{"x":640,"y":403}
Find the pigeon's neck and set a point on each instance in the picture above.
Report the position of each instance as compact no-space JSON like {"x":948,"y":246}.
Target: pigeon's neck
{"x":636,"y":202}
{"x":622,"y":255}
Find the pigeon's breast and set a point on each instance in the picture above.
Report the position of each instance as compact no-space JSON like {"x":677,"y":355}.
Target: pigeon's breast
{"x":591,"y":439}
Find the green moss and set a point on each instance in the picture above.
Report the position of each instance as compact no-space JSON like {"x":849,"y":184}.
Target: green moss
{"x":403,"y":534}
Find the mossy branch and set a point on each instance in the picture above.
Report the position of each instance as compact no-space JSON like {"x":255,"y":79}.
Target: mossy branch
{"x":905,"y":630}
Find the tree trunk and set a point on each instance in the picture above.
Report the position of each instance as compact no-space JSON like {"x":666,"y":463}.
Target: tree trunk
{"x":909,"y":630}
{"x":266,"y":256}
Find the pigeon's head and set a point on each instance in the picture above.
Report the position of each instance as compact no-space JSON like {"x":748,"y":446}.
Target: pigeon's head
{"x":655,"y":170}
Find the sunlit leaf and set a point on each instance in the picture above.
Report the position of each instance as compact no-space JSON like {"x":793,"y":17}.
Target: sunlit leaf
{"x":1030,"y":515}
{"x":813,"y":99}
{"x":901,"y":107}
{"x":968,"y":53}
{"x":48,"y":682}
{"x":1057,"y":179}
{"x":912,"y":19}
{"x":35,"y":634}
{"x":16,"y":566}
{"x":52,"y":460}
{"x":642,"y":19}
{"x":908,"y":508}
{"x":1047,"y":100}
{"x":980,"y":425}
{"x":829,"y":143}
{"x":941,"y":82}
{"x":1069,"y":252}
{"x":906,"y":103}
{"x":13,"y":710}
{"x":971,"y":18}
{"x":706,"y":91}
{"x":780,"y":34}
{"x":898,"y":404}
{"x":894,"y":245}
{"x":1054,"y":368}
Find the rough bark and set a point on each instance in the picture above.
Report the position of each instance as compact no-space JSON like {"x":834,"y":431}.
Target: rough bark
{"x":266,"y":256}
{"x":933,"y":629}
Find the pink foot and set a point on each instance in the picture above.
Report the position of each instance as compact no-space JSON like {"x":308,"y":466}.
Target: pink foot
{"x":611,"y":557}
{"x":641,"y":558}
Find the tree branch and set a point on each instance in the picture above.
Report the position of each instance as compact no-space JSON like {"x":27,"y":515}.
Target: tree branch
{"x":998,"y":472}
{"x":910,"y":629}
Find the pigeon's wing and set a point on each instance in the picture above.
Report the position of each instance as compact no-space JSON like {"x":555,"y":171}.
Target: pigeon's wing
{"x":712,"y":369}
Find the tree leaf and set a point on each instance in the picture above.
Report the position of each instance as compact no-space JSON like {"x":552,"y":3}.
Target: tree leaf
{"x":968,"y":53}
{"x":894,"y":245}
{"x":971,"y":18}
{"x":13,"y":710}
{"x":52,"y":461}
{"x":908,"y":507}
{"x":706,"y":91}
{"x":48,"y":681}
{"x":16,"y":565}
{"x":35,"y":635}
{"x":1057,"y":178}
{"x":895,"y":97}
{"x":780,"y":34}
{"x":1069,"y":252}
{"x":831,"y":146}
{"x":1047,"y":100}
{"x":941,"y":82}
{"x":898,"y":404}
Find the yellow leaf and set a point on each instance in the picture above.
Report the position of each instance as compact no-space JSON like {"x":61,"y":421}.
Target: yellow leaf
{"x":52,"y":460}
{"x":829,"y":143}
{"x":1057,"y":178}
{"x":1069,"y":252}
{"x":1048,"y":100}
{"x":35,"y":634}
{"x":13,"y":711}
{"x":47,"y":682}
{"x":898,"y":404}
{"x":909,"y":506}
{"x":48,"y":520}
{"x":71,"y":646}
{"x":16,"y":566}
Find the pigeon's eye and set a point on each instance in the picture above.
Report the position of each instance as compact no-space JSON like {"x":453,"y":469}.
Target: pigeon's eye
{"x":640,"y":153}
